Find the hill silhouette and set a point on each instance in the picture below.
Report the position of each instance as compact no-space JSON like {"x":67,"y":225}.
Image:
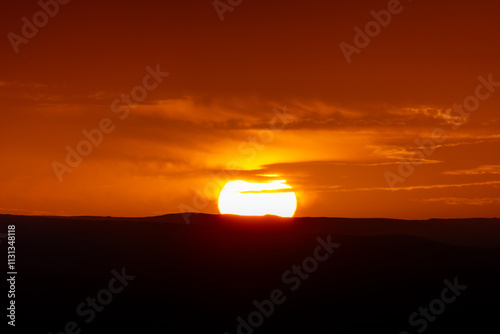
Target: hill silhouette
{"x":203,"y":276}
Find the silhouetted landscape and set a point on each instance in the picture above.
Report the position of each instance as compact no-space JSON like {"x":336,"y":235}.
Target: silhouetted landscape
{"x":202,"y":276}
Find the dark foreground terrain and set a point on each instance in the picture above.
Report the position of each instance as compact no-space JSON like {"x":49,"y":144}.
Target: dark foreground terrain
{"x":223,"y":274}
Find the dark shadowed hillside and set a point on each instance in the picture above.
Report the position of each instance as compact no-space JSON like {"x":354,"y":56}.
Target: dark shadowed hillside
{"x":200,"y":277}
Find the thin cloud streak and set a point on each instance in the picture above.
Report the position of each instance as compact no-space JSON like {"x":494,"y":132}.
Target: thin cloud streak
{"x":485,"y":169}
{"x":462,"y":201}
{"x":437,"y":186}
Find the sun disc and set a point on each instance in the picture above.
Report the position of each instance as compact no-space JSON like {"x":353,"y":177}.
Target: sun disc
{"x":258,"y":198}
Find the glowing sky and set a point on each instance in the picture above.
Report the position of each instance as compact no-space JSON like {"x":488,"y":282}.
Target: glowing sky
{"x":266,"y":91}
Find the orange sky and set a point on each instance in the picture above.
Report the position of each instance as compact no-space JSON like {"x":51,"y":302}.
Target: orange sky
{"x":348,"y":124}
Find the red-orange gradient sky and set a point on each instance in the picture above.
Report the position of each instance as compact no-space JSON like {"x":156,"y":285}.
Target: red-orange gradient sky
{"x":349,"y":123}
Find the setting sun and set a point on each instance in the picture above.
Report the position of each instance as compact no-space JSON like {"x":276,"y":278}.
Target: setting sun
{"x":258,"y":199}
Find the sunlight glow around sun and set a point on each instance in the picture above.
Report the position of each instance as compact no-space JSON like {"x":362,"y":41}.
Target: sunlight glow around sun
{"x":258,"y":198}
